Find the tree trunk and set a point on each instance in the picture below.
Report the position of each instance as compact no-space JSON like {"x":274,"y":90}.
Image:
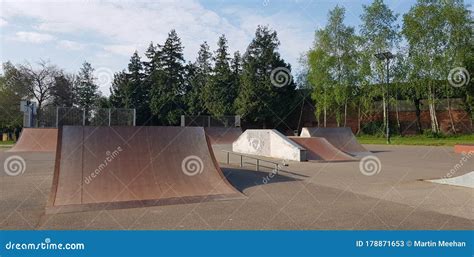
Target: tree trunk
{"x":399,"y":127}
{"x":417,"y":103}
{"x":451,"y":119}
{"x":432,"y":107}
{"x":325,"y":113}
{"x":358,"y":119}
{"x":345,"y":114}
{"x":384,"y":106}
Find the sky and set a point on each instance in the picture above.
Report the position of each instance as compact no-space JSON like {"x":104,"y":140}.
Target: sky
{"x":106,"y":33}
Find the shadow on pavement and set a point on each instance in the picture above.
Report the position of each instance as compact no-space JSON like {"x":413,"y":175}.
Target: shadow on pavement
{"x":244,"y":178}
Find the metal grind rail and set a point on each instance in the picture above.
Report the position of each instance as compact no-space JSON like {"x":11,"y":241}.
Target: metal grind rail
{"x":258,"y":161}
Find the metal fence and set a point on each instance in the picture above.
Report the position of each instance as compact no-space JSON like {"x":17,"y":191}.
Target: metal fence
{"x":209,"y":121}
{"x":53,"y":117}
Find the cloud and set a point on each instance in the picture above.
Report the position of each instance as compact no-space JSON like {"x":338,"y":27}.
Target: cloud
{"x":3,"y":22}
{"x":136,"y":23}
{"x":32,"y":37}
{"x":71,"y":45}
{"x":124,"y":50}
{"x":107,"y":33}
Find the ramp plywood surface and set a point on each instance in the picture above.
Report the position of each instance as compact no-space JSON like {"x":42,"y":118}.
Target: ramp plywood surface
{"x":342,"y":138}
{"x":121,"y":167}
{"x":464,"y":148}
{"x":36,"y":140}
{"x":223,"y":135}
{"x":318,"y":148}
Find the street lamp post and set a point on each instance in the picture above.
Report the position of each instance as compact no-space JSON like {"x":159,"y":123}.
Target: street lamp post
{"x":386,"y":56}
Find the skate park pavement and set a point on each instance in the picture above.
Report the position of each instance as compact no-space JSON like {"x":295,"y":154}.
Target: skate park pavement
{"x":303,"y":195}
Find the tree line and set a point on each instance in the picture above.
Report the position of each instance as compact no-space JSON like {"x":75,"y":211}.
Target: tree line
{"x":433,"y":54}
{"x":162,"y":86}
{"x":45,"y":84}
{"x":341,"y":74}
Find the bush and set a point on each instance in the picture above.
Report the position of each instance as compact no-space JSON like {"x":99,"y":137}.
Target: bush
{"x":373,"y":128}
{"x":430,"y":134}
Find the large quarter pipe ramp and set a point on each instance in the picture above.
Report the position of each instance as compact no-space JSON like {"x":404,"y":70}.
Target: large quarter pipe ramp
{"x":268,"y":143}
{"x":318,"y":148}
{"x":123,"y":167}
{"x":36,"y":140}
{"x":222,"y":135}
{"x":341,"y":138}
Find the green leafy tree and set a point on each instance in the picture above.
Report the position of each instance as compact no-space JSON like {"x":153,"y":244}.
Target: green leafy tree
{"x":439,"y":38}
{"x":333,"y":66}
{"x":13,"y":88}
{"x":380,"y":33}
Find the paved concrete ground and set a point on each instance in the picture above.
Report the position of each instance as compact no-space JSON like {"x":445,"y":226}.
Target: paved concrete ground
{"x":309,"y":195}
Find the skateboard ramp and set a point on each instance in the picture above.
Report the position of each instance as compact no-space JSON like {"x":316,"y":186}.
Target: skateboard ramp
{"x":222,"y":135}
{"x":342,"y":138}
{"x":464,"y":148}
{"x":268,"y":143}
{"x":36,"y":140}
{"x":466,"y":180}
{"x":320,"y":149}
{"x":124,"y":167}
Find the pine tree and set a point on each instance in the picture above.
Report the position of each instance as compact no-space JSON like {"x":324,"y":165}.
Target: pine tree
{"x":63,"y":90}
{"x":169,"y":88}
{"x":267,"y":91}
{"x":197,"y":76}
{"x":139,"y":91}
{"x":119,"y":91}
{"x":220,"y":92}
{"x":236,"y":69}
{"x":87,"y":92}
{"x":151,"y":64}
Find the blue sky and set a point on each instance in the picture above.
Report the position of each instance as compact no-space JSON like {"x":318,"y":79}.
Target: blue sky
{"x":106,"y":33}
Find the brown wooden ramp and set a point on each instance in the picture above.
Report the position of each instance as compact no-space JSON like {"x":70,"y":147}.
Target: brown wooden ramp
{"x":36,"y":140}
{"x":464,"y":148}
{"x":342,"y":138}
{"x":122,"y":167}
{"x":318,"y":148}
{"x":222,"y":135}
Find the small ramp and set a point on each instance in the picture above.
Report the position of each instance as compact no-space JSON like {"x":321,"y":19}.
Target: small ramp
{"x":268,"y":143}
{"x":36,"y":140}
{"x":464,"y":148}
{"x":222,"y":135}
{"x":320,"y":149}
{"x":342,"y":138}
{"x":466,"y":180}
{"x":124,"y":167}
